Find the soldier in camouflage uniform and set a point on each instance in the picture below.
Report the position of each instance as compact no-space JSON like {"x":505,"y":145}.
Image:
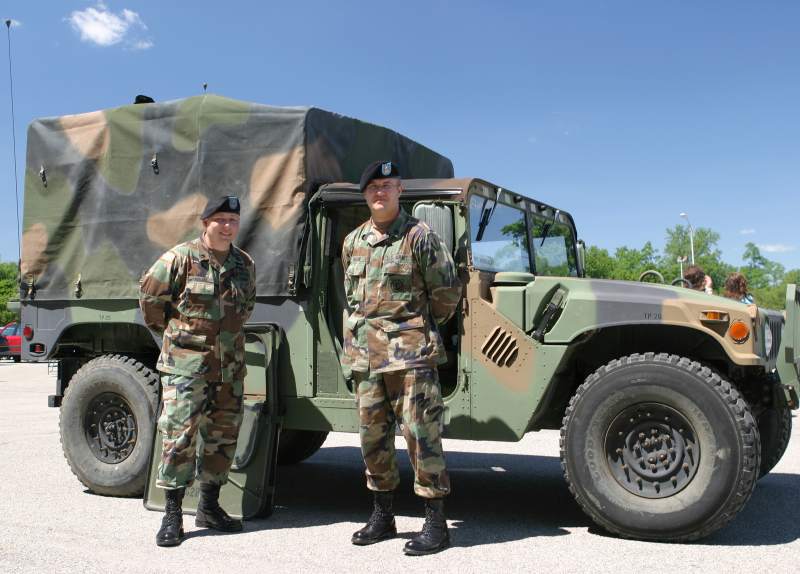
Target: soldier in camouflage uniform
{"x":400,"y":283}
{"x":198,"y":296}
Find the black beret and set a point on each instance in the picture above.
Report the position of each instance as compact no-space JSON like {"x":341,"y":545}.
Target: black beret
{"x":225,"y":204}
{"x":142,"y":99}
{"x":378,"y":170}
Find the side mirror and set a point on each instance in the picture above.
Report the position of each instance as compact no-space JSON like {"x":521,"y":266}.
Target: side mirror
{"x":581,"y":248}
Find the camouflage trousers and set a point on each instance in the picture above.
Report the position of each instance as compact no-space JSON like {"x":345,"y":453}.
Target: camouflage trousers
{"x":412,"y":397}
{"x":191,"y":406}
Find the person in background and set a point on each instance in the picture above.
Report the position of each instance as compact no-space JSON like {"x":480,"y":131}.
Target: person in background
{"x":736,"y":288}
{"x":698,"y":280}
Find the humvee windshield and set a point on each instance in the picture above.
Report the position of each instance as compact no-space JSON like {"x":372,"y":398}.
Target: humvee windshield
{"x":503,"y":236}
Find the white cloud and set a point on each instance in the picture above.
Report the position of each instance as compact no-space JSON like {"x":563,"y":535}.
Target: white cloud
{"x":747,"y":231}
{"x":776,"y":248}
{"x":142,"y":45}
{"x":98,"y":25}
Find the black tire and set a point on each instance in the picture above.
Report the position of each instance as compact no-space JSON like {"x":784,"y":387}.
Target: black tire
{"x":775,"y":429}
{"x":297,"y":445}
{"x":658,"y":447}
{"x":122,"y":394}
{"x":17,"y":358}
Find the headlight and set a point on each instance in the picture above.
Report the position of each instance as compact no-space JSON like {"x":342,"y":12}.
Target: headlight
{"x":739,"y":331}
{"x":767,"y":338}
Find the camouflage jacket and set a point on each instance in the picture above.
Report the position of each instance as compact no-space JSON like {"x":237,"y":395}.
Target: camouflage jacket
{"x":200,"y":309}
{"x":399,"y":286}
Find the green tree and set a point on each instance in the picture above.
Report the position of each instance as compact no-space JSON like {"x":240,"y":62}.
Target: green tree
{"x":8,"y":290}
{"x":707,"y":254}
{"x":767,"y":279}
{"x":517,"y":231}
{"x":599,"y":264}
{"x":760,"y":271}
{"x":630,"y":263}
{"x":792,"y":276}
{"x":626,"y":263}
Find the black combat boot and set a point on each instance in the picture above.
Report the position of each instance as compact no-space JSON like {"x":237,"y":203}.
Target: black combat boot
{"x":380,"y":525}
{"x":171,"y":531}
{"x":434,"y":536}
{"x":210,"y":513}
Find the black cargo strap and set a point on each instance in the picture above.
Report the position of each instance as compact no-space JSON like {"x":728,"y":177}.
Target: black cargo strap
{"x":549,"y":313}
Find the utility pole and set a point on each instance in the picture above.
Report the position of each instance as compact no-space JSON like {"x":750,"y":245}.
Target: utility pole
{"x":691,"y":236}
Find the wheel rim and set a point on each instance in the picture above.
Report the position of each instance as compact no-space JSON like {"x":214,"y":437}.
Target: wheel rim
{"x":652,"y":450}
{"x":110,"y":428}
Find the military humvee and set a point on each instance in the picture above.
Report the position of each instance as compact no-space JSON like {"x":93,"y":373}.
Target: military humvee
{"x":668,"y":400}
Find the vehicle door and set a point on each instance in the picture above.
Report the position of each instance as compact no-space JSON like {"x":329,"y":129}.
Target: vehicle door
{"x":250,"y":489}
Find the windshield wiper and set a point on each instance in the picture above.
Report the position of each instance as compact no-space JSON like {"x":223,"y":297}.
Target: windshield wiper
{"x":548,"y":226}
{"x":486,"y":216}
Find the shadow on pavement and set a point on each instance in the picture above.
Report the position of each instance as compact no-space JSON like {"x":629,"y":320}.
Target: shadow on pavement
{"x":496,"y":498}
{"x":769,"y":518}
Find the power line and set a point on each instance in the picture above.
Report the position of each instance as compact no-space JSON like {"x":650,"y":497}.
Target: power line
{"x":13,"y":140}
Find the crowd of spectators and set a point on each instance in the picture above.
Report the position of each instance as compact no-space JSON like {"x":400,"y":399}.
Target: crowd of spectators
{"x":735,"y":284}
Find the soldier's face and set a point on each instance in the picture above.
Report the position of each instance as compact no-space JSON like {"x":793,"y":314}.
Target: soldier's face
{"x":221,"y":230}
{"x":383,"y":197}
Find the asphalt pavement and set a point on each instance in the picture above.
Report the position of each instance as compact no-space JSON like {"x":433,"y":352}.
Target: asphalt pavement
{"x":510,"y":511}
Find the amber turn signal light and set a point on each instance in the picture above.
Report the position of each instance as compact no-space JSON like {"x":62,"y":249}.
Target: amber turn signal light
{"x":739,"y":331}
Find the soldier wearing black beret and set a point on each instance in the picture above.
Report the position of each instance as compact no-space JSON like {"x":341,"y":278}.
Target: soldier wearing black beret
{"x":224,"y":204}
{"x":197,"y":297}
{"x":378,"y":170}
{"x":399,"y":279}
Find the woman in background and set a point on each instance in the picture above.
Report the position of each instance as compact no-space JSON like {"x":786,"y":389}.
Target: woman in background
{"x":736,"y":288}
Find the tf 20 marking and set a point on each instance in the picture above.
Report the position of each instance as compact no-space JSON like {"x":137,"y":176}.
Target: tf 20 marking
{"x":652,"y":316}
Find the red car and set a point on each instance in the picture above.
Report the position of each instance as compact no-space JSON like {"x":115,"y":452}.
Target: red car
{"x":10,"y":341}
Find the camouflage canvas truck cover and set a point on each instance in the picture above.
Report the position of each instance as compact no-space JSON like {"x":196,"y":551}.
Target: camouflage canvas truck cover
{"x":667,"y":400}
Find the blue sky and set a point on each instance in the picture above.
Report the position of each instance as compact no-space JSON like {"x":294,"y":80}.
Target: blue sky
{"x":623,"y":113}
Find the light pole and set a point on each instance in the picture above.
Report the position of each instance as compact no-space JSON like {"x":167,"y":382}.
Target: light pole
{"x":691,"y":235}
{"x":681,"y":259}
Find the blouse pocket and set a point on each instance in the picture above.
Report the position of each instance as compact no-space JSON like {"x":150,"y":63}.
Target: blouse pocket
{"x":198,"y":298}
{"x":397,"y":275}
{"x":354,"y":276}
{"x":183,"y":339}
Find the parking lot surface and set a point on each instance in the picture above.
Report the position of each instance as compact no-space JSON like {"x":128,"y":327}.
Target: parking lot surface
{"x":510,"y":511}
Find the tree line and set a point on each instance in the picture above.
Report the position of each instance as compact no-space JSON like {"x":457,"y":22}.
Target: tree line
{"x":766,"y":279}
{"x":8,"y":290}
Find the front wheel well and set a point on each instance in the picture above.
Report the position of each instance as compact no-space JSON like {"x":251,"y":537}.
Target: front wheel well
{"x":593,"y":349}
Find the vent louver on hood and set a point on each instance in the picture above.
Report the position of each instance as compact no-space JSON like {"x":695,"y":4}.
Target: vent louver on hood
{"x":500,"y":347}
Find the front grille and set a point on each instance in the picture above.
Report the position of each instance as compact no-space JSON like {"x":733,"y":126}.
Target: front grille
{"x":775,"y":325}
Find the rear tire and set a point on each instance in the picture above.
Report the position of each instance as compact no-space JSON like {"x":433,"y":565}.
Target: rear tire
{"x":658,"y":447}
{"x":107,"y":424}
{"x":297,"y":445}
